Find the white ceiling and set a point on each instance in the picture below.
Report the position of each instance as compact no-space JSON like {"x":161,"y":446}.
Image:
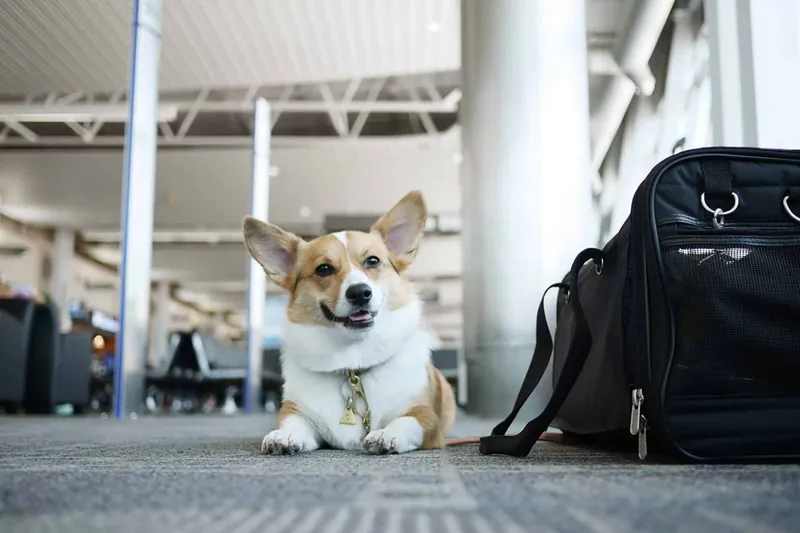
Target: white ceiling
{"x":83,"y":45}
{"x":73,"y":45}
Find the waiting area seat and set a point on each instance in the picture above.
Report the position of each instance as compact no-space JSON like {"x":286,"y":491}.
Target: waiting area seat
{"x":40,"y":367}
{"x":72,"y":383}
{"x":13,"y":360}
{"x":202,"y":365}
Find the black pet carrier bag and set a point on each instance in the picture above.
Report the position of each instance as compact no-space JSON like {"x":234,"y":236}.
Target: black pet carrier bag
{"x":683,"y":333}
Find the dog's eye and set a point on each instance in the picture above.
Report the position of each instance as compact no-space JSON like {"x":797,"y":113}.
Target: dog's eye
{"x":372,"y":262}
{"x":324,"y":270}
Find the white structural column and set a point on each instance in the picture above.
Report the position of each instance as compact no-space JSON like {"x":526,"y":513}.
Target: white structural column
{"x":527,"y":206}
{"x":159,"y":337}
{"x":257,"y":289}
{"x":730,"y":67}
{"x":137,"y":209}
{"x":62,"y":261}
{"x":755,"y":72}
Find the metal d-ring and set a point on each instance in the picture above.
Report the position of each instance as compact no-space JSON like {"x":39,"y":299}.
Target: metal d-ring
{"x":789,"y":209}
{"x":598,"y":267}
{"x":719,"y":214}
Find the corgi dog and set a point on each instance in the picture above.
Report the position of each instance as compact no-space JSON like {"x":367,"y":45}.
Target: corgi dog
{"x":356,"y":355}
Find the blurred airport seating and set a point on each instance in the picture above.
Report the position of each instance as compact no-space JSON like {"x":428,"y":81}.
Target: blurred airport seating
{"x":41,"y":367}
{"x":13,"y":360}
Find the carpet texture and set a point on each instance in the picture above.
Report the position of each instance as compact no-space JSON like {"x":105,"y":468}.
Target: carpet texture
{"x":203,"y":474}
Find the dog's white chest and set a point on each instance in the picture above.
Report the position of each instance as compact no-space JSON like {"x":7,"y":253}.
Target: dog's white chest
{"x":324,"y":399}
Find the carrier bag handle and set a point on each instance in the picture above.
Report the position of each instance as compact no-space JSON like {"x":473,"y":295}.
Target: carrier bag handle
{"x":520,"y":444}
{"x":716,"y":177}
{"x":718,"y":187}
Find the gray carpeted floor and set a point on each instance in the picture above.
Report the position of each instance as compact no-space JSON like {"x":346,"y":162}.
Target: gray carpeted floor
{"x":199,"y":474}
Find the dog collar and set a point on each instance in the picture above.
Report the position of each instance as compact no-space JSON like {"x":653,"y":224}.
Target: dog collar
{"x":356,"y":389}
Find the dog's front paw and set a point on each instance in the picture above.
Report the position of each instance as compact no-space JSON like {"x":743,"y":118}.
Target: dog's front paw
{"x":385,"y":441}
{"x":283,"y":442}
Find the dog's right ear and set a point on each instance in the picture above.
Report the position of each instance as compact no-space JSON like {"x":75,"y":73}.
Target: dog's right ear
{"x":273,"y":248}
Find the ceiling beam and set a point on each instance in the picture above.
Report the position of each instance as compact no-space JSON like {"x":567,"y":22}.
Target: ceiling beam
{"x":44,"y":112}
{"x":645,"y":26}
{"x":189,"y":141}
{"x":169,"y":109}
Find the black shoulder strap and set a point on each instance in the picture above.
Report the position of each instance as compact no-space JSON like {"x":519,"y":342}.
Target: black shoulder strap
{"x":521,"y":444}
{"x":539,"y":361}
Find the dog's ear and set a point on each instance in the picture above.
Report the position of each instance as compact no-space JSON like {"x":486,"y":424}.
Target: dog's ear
{"x":402,"y":228}
{"x":273,"y":248}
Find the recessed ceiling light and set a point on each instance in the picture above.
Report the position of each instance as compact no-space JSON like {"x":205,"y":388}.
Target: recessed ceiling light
{"x":305,"y":211}
{"x":458,"y":158}
{"x":434,"y":27}
{"x":274,"y":171}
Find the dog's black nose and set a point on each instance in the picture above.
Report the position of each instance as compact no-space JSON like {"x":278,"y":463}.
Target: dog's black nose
{"x":358,"y":294}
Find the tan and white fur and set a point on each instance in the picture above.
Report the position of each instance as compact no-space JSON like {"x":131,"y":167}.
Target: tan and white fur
{"x":411,"y":404}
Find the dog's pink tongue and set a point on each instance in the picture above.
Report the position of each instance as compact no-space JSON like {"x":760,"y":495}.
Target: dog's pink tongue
{"x":360,"y":317}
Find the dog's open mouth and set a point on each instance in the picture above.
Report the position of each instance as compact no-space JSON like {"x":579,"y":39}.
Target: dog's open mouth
{"x":358,"y":319}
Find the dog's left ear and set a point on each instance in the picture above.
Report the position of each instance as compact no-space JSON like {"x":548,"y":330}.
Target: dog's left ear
{"x":402,"y":228}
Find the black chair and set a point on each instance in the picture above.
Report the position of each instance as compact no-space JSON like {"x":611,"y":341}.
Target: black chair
{"x":73,"y":371}
{"x":206,"y":364}
{"x":41,"y":333}
{"x":184,"y":358}
{"x":219,"y":360}
{"x":13,"y":360}
{"x":200,"y":366}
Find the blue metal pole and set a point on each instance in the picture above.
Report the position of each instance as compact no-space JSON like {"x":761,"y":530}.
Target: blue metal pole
{"x":138,"y":188}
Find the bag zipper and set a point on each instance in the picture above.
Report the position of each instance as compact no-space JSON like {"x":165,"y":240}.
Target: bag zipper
{"x":731,"y":241}
{"x":638,"y":425}
{"x":639,"y":420}
{"x":685,"y":225}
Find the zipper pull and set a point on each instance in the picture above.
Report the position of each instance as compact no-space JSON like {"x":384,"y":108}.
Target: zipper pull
{"x":637,"y":398}
{"x":643,"y":439}
{"x":638,"y":421}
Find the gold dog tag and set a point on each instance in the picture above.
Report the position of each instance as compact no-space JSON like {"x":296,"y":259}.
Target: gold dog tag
{"x":348,"y":417}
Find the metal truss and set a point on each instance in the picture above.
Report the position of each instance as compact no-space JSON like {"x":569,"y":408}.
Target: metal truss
{"x":425,"y":104}
{"x":203,"y":117}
